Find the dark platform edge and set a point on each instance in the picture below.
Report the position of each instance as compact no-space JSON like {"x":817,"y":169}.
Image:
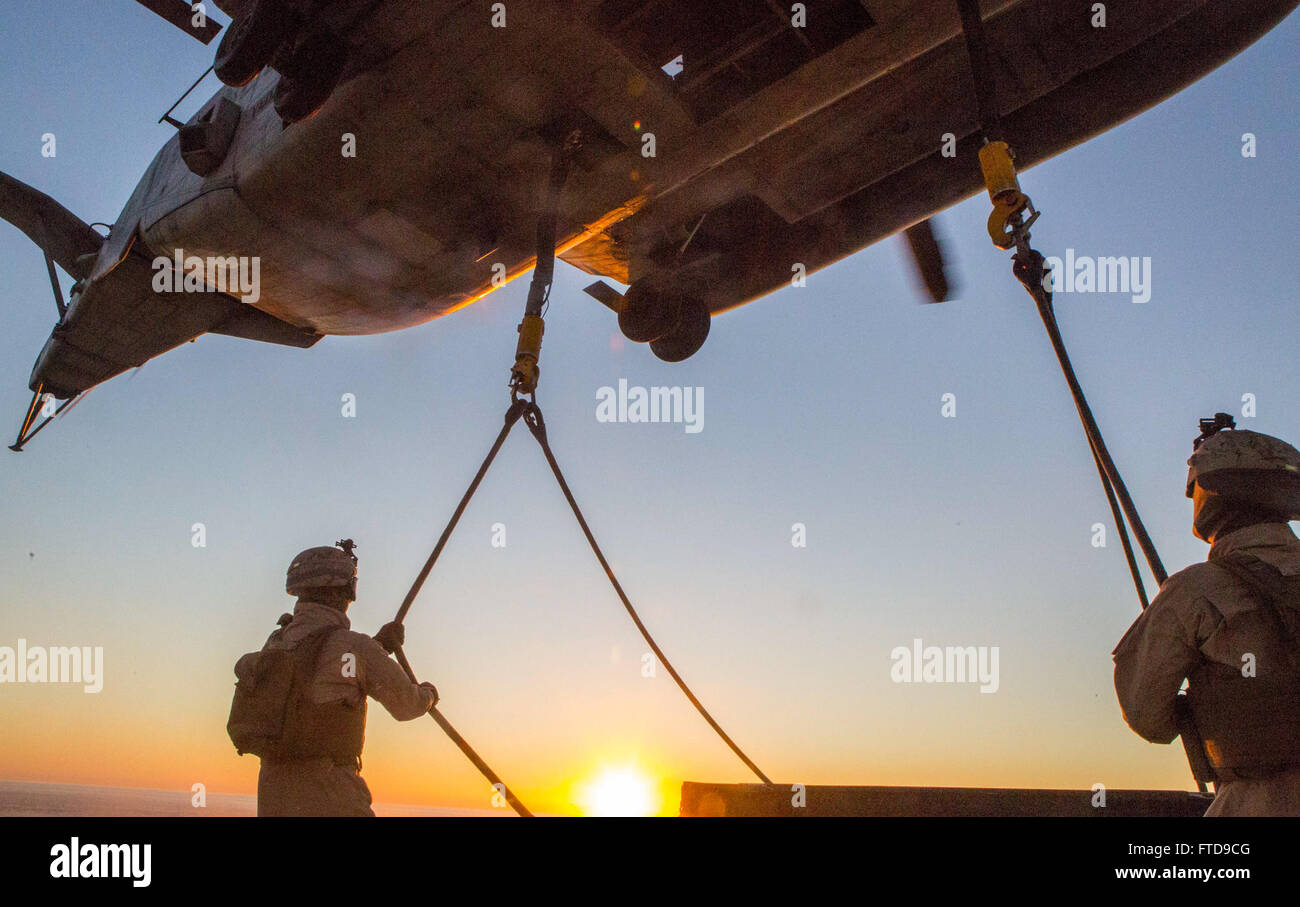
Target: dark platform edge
{"x":752,"y":800}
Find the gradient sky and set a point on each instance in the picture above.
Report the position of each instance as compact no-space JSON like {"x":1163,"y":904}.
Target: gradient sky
{"x":822,"y":406}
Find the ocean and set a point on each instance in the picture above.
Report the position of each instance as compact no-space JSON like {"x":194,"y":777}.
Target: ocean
{"x":33,"y":798}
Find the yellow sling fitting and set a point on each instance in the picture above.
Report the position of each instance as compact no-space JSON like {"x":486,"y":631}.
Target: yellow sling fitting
{"x":523,"y":377}
{"x":1004,"y":190}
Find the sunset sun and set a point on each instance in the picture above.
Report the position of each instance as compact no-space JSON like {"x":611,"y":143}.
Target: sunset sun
{"x":619,"y":791}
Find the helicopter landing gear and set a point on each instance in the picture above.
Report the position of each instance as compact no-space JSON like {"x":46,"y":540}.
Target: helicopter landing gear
{"x":309,"y":73}
{"x":673,"y":323}
{"x":684,"y":338}
{"x":648,"y":312}
{"x":252,"y":39}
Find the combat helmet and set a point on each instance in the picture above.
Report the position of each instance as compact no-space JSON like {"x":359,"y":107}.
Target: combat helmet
{"x":323,"y":567}
{"x":1246,"y":466}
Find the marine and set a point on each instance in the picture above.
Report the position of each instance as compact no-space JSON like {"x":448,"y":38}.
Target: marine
{"x":300,"y":702}
{"x":1230,"y":628}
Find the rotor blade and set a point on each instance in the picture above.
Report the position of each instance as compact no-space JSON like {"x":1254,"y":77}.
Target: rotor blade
{"x":606,"y":295}
{"x":927,"y":255}
{"x":61,"y":234}
{"x":180,"y":14}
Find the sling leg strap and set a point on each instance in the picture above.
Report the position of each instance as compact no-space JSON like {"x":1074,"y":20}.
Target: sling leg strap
{"x":1028,"y":267}
{"x":1009,"y":227}
{"x":523,"y":384}
{"x":532,"y":416}
{"x":986,"y":102}
{"x":1029,"y":270}
{"x":1121,"y":527}
{"x":536,"y":425}
{"x":516,"y":410}
{"x":484,"y":769}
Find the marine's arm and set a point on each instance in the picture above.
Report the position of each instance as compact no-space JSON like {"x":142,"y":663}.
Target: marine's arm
{"x":386,"y":682}
{"x":1151,"y":662}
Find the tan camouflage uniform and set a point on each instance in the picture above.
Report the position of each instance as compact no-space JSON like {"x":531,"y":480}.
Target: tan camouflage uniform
{"x":321,"y":787}
{"x":1203,"y":613}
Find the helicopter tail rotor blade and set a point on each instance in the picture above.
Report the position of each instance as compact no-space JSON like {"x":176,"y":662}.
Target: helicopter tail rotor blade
{"x":605,"y":295}
{"x":928,"y":256}
{"x":180,"y":14}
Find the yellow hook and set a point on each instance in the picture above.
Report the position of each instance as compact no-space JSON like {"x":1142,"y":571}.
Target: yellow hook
{"x":1004,"y":190}
{"x":523,"y":377}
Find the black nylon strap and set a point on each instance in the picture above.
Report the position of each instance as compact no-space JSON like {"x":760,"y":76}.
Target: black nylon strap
{"x":536,"y":425}
{"x":532,"y":416}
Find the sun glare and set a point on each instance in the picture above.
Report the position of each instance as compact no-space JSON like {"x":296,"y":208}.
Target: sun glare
{"x":621,"y":791}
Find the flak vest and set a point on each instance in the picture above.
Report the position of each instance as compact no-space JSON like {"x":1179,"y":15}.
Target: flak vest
{"x":1250,"y":725}
{"x":274,"y":716}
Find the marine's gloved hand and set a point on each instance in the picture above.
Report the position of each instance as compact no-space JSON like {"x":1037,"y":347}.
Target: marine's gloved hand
{"x":432,"y":690}
{"x":391,"y":636}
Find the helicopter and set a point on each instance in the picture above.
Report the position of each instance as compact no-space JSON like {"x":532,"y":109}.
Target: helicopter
{"x":376,"y":163}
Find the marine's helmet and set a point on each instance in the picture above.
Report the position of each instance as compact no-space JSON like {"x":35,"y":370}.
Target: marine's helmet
{"x":1248,"y":468}
{"x":325,"y":567}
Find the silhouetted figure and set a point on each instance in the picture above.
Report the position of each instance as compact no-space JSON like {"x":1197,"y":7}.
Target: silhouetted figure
{"x":1230,"y":627}
{"x":300,"y":703}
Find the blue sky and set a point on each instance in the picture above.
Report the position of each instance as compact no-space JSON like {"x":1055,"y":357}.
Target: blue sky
{"x":822,"y":406}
